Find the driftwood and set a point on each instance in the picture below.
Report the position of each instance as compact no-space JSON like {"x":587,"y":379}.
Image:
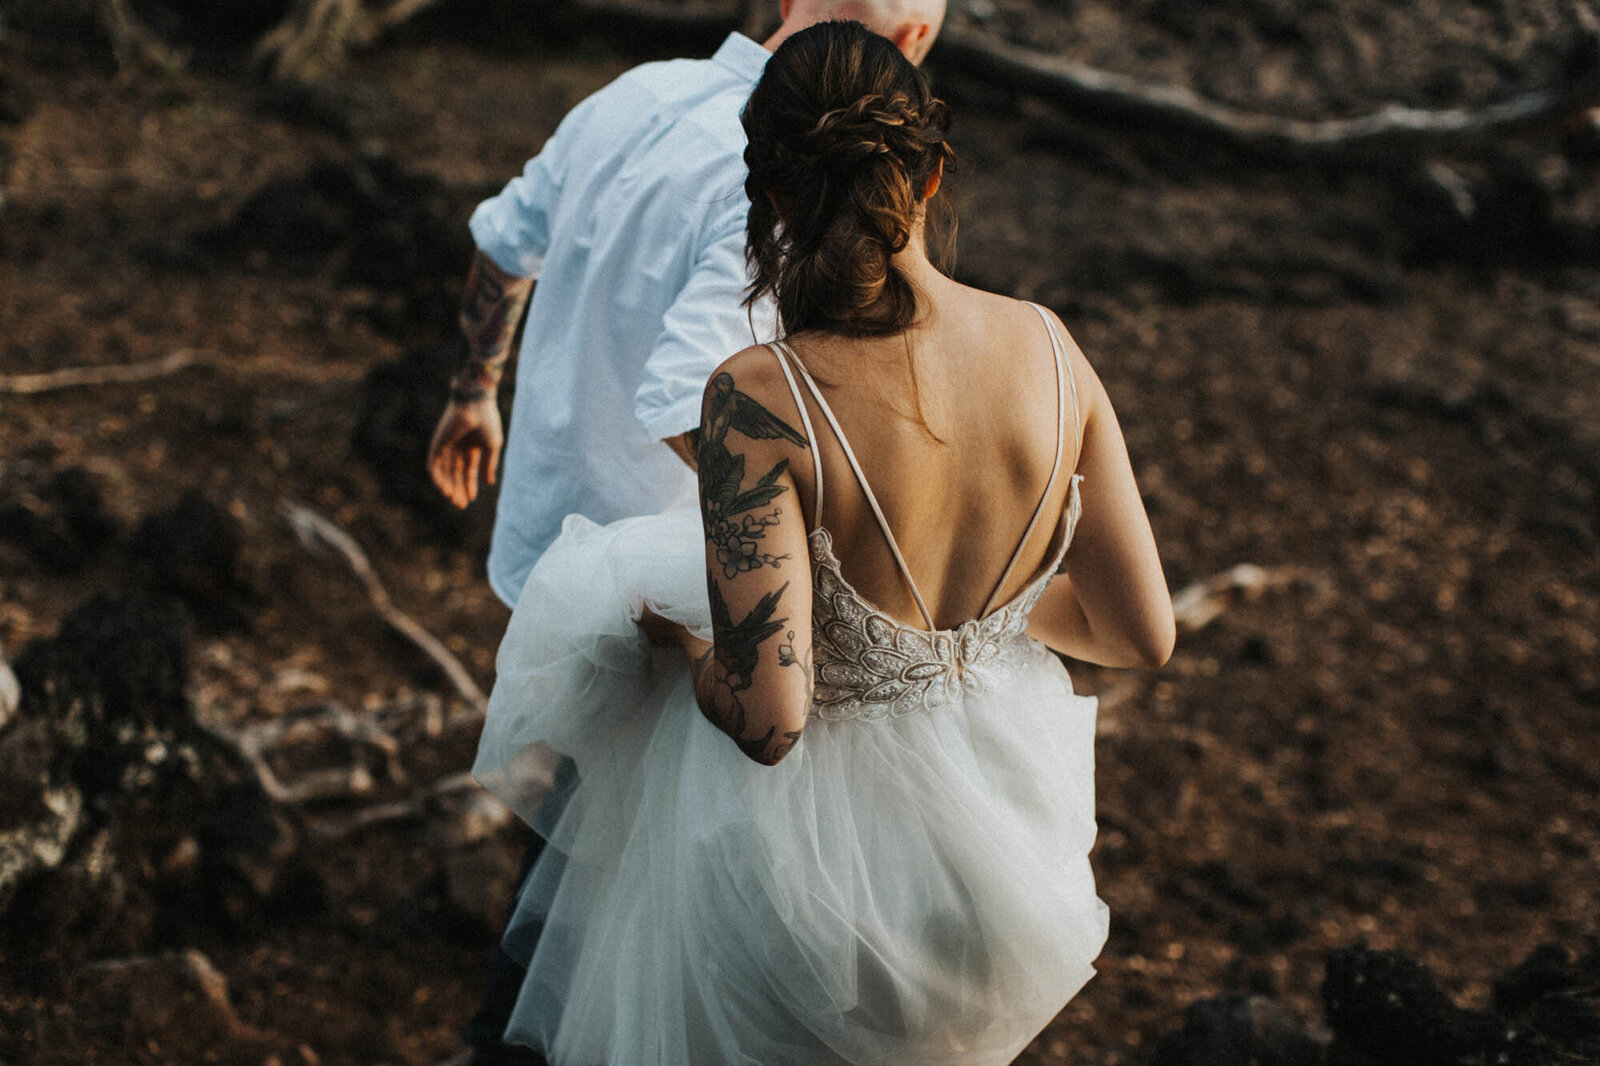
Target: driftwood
{"x":312,"y":527}
{"x":1393,"y":131}
{"x":111,"y":374}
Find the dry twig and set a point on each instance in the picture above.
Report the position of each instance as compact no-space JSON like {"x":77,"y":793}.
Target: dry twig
{"x":312,"y":527}
{"x":111,"y":374}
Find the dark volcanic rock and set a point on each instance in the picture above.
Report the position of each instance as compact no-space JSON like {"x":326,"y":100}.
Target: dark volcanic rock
{"x":122,"y":818}
{"x":16,"y":103}
{"x":1239,"y":1030}
{"x":62,"y":524}
{"x":368,"y":221}
{"x":1558,"y":996}
{"x":1386,"y":1010}
{"x":195,"y":552}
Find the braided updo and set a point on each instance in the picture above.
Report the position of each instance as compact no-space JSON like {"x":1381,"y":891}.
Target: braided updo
{"x":843,"y":136}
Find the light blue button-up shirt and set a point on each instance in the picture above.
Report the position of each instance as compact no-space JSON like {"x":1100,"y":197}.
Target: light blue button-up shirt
{"x":632,"y":217}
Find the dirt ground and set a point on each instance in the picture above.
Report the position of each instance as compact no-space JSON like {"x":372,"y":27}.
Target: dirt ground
{"x":1393,"y":409}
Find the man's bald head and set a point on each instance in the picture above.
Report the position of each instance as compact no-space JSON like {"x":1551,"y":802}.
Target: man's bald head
{"x":911,"y":24}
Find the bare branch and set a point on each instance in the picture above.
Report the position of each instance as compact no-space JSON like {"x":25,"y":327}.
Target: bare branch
{"x":317,"y":33}
{"x":132,"y":43}
{"x":112,"y":374}
{"x":312,"y":527}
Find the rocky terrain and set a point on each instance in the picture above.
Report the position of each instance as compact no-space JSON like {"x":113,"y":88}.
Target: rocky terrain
{"x":1362,"y":395}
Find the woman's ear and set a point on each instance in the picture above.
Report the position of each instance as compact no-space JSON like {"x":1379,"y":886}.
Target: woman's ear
{"x":934,"y":179}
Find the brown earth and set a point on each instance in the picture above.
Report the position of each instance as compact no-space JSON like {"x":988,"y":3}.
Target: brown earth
{"x":1330,"y":371}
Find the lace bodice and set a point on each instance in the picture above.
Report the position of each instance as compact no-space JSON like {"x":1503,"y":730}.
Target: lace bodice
{"x":871,"y":666}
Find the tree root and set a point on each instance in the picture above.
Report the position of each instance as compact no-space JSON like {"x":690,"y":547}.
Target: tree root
{"x":113,"y":374}
{"x":414,"y":808}
{"x":312,"y":527}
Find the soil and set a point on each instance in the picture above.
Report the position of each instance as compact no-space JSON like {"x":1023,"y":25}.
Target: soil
{"x":1333,"y":373}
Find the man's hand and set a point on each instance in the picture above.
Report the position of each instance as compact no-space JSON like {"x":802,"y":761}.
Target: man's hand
{"x":469,"y":434}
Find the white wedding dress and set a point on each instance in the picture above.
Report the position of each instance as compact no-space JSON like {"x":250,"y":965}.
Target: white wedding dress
{"x":911,"y":885}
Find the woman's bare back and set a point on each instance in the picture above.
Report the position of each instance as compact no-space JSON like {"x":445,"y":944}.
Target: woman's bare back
{"x":958,"y":442}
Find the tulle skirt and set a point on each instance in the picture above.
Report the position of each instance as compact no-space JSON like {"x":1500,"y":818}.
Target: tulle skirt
{"x":913,"y":890}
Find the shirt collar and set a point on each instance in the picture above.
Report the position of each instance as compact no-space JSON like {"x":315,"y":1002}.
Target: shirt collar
{"x":742,"y":56}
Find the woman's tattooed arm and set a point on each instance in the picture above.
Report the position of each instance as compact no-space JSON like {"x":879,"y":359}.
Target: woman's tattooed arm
{"x":750,"y":686}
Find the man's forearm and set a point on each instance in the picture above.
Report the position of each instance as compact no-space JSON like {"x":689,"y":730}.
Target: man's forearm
{"x":686,"y":446}
{"x":491,"y":309}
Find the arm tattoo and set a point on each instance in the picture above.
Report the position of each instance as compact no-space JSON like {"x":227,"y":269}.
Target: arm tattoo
{"x":491,"y":309}
{"x":728,"y":669}
{"x":736,"y":518}
{"x":736,"y":522}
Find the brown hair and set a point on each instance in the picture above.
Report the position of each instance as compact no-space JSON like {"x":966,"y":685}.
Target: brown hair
{"x":843,"y":135}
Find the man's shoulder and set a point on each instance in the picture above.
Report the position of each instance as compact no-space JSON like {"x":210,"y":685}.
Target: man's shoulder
{"x":691,"y":99}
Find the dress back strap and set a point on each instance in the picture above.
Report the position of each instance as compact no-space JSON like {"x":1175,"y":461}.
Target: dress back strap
{"x":1064,"y":360}
{"x":783,"y":353}
{"x":1063,"y":373}
{"x":861,"y":479}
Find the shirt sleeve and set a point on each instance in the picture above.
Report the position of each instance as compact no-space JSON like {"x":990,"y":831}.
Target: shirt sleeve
{"x":513,"y":227}
{"x":705,"y":325}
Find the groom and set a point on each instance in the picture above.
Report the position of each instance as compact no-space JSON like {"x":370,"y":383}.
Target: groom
{"x":632,"y":219}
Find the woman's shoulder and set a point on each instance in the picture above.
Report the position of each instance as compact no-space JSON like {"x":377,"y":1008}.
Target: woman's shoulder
{"x":753,"y":371}
{"x":750,"y":391}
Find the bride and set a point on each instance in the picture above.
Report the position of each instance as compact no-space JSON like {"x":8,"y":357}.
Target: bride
{"x":849,"y":821}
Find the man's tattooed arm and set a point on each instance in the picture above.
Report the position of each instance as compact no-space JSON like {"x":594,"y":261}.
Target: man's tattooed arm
{"x":491,"y":310}
{"x":743,"y":682}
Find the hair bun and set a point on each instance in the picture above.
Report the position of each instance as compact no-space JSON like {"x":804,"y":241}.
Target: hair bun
{"x":843,"y":137}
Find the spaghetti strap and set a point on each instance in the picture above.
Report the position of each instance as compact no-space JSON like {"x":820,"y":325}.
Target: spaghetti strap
{"x":1065,"y":360}
{"x":783,"y":353}
{"x":1062,"y":373}
{"x":866,"y":489}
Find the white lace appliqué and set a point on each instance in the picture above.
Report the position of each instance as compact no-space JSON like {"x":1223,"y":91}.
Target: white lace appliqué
{"x":870,"y":666}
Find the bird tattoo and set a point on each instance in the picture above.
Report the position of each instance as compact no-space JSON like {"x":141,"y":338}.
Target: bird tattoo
{"x":738,"y":644}
{"x":728,"y":408}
